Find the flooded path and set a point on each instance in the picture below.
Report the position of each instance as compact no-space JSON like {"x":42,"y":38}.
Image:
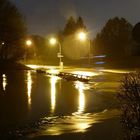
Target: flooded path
{"x":34,"y":104}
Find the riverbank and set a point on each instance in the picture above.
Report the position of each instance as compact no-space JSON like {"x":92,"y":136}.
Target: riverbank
{"x":10,"y":65}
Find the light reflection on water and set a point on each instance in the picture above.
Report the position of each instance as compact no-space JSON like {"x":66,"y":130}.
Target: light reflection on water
{"x":80,"y":87}
{"x":78,"y":121}
{"x":68,"y":111}
{"x":53,"y":81}
{"x":74,"y":123}
{"x":4,"y":81}
{"x":29,"y":88}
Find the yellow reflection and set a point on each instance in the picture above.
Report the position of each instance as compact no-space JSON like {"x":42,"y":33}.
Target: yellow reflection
{"x":116,"y":71}
{"x":75,"y":123}
{"x":85,"y":73}
{"x":34,"y":66}
{"x":4,"y":81}
{"x":53,"y":71}
{"x":80,"y":87}
{"x":82,"y":126}
{"x":29,"y":87}
{"x":53,"y":81}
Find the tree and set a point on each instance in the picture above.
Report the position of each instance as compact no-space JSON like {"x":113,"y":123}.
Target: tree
{"x":80,"y":24}
{"x":73,"y":25}
{"x":72,"y":47}
{"x":12,"y":31}
{"x":114,"y":39}
{"x":38,"y":50}
{"x":70,"y":27}
{"x":136,"y":33}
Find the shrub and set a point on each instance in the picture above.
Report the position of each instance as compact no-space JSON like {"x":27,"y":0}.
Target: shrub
{"x":129,"y":97}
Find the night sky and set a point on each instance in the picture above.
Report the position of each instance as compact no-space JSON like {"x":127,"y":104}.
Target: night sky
{"x":48,"y":16}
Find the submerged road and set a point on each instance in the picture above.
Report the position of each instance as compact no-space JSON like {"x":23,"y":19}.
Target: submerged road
{"x":79,"y":70}
{"x":48,"y":107}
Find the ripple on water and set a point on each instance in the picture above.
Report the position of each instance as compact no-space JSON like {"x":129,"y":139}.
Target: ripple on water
{"x":71,"y":124}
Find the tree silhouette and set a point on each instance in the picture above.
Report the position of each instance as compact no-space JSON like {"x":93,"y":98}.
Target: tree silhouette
{"x":136,"y":33}
{"x":72,"y":26}
{"x":12,"y":31}
{"x":114,"y":39}
{"x":72,"y":47}
{"x":80,"y":24}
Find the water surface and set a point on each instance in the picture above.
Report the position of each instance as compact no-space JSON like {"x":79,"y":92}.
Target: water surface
{"x":54,"y":105}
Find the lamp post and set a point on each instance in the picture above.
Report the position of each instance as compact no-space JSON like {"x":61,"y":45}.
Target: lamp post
{"x":82,"y":36}
{"x":54,"y":41}
{"x":28,"y":43}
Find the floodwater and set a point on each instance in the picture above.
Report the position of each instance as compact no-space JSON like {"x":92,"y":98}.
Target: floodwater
{"x":34,"y":104}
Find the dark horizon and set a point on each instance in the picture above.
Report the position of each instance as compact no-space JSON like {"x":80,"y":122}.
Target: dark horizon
{"x":45,"y":17}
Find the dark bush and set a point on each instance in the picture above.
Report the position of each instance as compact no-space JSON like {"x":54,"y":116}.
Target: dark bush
{"x":129,"y":97}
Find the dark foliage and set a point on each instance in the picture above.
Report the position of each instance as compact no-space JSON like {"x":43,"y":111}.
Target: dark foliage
{"x":38,"y":51}
{"x":12,"y":31}
{"x":80,"y":24}
{"x":72,"y":26}
{"x":129,"y":97}
{"x":136,"y":33}
{"x":115,"y":39}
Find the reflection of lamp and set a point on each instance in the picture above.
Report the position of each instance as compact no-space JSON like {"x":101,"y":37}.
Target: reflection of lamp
{"x":80,"y":87}
{"x":54,"y":41}
{"x":53,"y":81}
{"x":4,"y":81}
{"x":29,"y":87}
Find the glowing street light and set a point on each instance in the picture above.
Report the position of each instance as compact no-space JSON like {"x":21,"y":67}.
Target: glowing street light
{"x":54,"y":41}
{"x":82,"y":36}
{"x":28,"y":42}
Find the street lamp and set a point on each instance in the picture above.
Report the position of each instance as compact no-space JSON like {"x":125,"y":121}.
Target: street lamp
{"x":54,"y":41}
{"x":82,"y":36}
{"x":28,"y":43}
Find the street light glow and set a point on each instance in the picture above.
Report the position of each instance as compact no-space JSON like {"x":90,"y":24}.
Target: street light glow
{"x":28,"y":42}
{"x":53,"y":41}
{"x":82,"y":36}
